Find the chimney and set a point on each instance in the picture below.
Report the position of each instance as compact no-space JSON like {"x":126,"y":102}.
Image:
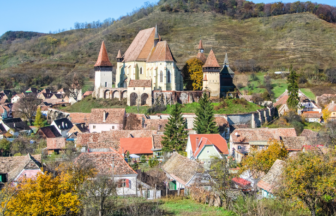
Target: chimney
{"x":104,"y":116}
{"x":196,"y":141}
{"x":236,"y":134}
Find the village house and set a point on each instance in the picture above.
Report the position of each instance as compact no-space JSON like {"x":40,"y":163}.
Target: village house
{"x":56,"y":145}
{"x":242,"y":139}
{"x":32,"y":90}
{"x":157,"y":146}
{"x":77,"y":129}
{"x":5,"y":111}
{"x":138,"y":146}
{"x":332,"y":109}
{"x":107,"y":119}
{"x":15,"y":126}
{"x":13,"y":169}
{"x":17,"y":97}
{"x":77,"y":118}
{"x":312,"y":116}
{"x":295,"y":144}
{"x":241,"y":183}
{"x":63,"y":126}
{"x":113,"y":164}
{"x":48,"y":132}
{"x":204,"y":147}
{"x":183,"y":172}
{"x":309,"y":133}
{"x":271,"y":181}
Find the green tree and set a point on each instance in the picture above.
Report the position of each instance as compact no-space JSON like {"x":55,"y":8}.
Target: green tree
{"x":175,"y":135}
{"x":39,"y":122}
{"x":205,"y":120}
{"x":293,"y":89}
{"x":5,"y":146}
{"x":311,"y":177}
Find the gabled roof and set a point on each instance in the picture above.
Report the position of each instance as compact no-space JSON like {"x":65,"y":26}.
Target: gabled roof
{"x":63,"y":124}
{"x":271,"y":180}
{"x":113,"y":116}
{"x":312,"y":114}
{"x":79,"y":117}
{"x":103,"y":161}
{"x":295,"y":143}
{"x":161,"y":53}
{"x":208,"y":139}
{"x":56,"y":143}
{"x":14,"y":165}
{"x":241,"y":182}
{"x":17,"y":124}
{"x":50,"y":131}
{"x":331,"y":107}
{"x":136,"y":145}
{"x":309,"y":133}
{"x":140,"y":83}
{"x":261,"y":134}
{"x":157,"y":139}
{"x":211,"y":61}
{"x":281,"y":101}
{"x":141,"y":46}
{"x":103,"y":59}
{"x":181,"y":167}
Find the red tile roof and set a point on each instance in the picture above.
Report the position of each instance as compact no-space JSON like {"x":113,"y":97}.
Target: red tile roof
{"x":56,"y":143}
{"x":312,"y":114}
{"x":331,"y":107}
{"x":281,"y":101}
{"x":309,"y":133}
{"x":103,"y":162}
{"x":136,"y":145}
{"x":211,"y":61}
{"x":208,"y":139}
{"x":200,"y":45}
{"x":157,"y":139}
{"x":261,"y":134}
{"x":113,"y":116}
{"x":103,"y":59}
{"x":241,"y":182}
{"x":201,"y":57}
{"x":141,"y":46}
{"x":271,"y":180}
{"x":161,"y":53}
{"x":140,"y":83}
{"x":119,"y":54}
{"x":87,"y":93}
{"x":79,"y":117}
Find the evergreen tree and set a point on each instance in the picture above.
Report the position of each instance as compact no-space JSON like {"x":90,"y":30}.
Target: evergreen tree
{"x":293,"y":90}
{"x":175,"y":135}
{"x":38,"y":118}
{"x":205,"y":120}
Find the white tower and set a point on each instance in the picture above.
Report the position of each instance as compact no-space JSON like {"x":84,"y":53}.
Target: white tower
{"x":103,"y":70}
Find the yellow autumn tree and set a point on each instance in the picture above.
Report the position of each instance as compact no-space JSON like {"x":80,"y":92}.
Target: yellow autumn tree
{"x":326,"y":114}
{"x":259,"y":161}
{"x":193,"y":73}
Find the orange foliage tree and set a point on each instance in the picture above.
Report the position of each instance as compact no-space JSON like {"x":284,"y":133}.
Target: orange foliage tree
{"x":193,"y":73}
{"x":262,"y":161}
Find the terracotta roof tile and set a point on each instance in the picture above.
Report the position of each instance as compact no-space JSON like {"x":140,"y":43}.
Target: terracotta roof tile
{"x":261,"y":134}
{"x":295,"y":143}
{"x":309,"y":133}
{"x":113,"y":116}
{"x":331,"y":107}
{"x":136,"y":145}
{"x":119,"y":54}
{"x":241,"y":182}
{"x":205,"y":78}
{"x":200,"y":45}
{"x":208,"y":139}
{"x":271,"y":180}
{"x":211,"y":61}
{"x":281,"y":101}
{"x":161,"y":53}
{"x":87,"y":93}
{"x":157,"y":139}
{"x":56,"y":143}
{"x":103,"y":59}
{"x":79,"y":118}
{"x":201,"y":57}
{"x":103,"y":161}
{"x":312,"y":114}
{"x":140,"y":83}
{"x":141,"y":46}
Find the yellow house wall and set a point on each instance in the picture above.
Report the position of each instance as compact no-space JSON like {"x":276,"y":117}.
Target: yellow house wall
{"x":213,"y":84}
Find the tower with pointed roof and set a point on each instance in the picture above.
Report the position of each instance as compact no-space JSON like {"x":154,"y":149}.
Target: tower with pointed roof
{"x":226,"y":77}
{"x":211,"y":78}
{"x":149,"y":58}
{"x":200,"y":54}
{"x":103,"y":70}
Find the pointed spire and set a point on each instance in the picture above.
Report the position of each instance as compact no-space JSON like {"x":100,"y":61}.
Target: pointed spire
{"x":156,"y":33}
{"x":200,"y":45}
{"x":119,"y":54}
{"x":226,"y":60}
{"x":211,"y":61}
{"x":103,"y":59}
{"x":205,"y":78}
{"x":160,"y":39}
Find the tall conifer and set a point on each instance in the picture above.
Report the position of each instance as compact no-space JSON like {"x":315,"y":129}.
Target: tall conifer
{"x":38,"y":118}
{"x":205,"y":119}
{"x":175,"y":135}
{"x":293,"y":90}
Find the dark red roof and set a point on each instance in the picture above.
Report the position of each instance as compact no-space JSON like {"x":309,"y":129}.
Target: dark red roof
{"x":241,"y":182}
{"x":50,"y":131}
{"x":103,"y":59}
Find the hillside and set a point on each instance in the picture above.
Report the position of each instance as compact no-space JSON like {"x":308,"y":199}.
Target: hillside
{"x":263,"y":44}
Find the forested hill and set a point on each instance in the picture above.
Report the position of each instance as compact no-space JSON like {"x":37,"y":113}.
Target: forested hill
{"x":261,"y":42}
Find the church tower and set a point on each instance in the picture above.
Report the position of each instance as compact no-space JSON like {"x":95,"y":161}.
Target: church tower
{"x":103,"y":70}
{"x":200,"y":54}
{"x":211,"y":79}
{"x":226,"y":78}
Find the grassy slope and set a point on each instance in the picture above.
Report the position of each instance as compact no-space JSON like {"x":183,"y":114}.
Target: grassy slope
{"x":275,"y":42}
{"x":190,"y":207}
{"x":88,"y":103}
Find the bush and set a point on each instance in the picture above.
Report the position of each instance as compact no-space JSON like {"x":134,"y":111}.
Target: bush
{"x":303,"y":80}
{"x":135,"y":166}
{"x":143,"y":159}
{"x":153,"y":162}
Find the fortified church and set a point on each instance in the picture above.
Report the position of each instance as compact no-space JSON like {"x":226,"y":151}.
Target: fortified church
{"x":148,"y":69}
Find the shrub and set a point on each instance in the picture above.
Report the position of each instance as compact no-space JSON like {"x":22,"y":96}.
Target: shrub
{"x":143,"y":159}
{"x":153,"y":162}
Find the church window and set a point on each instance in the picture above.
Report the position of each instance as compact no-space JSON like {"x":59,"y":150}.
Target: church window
{"x":134,"y":88}
{"x":168,"y":76}
{"x":105,"y":84}
{"x":161,"y":76}
{"x":140,"y":70}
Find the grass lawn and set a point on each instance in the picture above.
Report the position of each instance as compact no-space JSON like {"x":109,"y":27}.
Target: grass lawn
{"x":308,"y":93}
{"x":190,"y":207}
{"x":87,"y":84}
{"x":230,"y":109}
{"x":314,"y":126}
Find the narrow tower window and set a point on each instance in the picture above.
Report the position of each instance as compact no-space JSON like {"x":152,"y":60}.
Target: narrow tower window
{"x":168,"y":76}
{"x":161,"y":76}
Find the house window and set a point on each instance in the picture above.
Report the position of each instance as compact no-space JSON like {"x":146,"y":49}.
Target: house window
{"x":208,"y":152}
{"x":123,"y":183}
{"x":94,"y":126}
{"x":105,"y":84}
{"x":140,"y":70}
{"x":3,"y":178}
{"x":112,"y":127}
{"x":134,"y":88}
{"x":161,"y":76}
{"x":144,"y":88}
{"x":168,"y":76}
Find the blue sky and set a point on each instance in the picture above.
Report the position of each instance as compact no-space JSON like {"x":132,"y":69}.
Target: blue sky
{"x":45,"y":15}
